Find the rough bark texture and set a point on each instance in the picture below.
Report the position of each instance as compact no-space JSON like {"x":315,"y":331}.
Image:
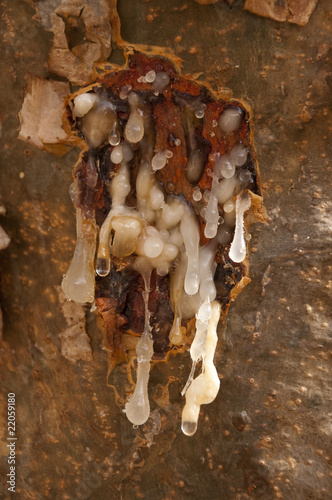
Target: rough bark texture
{"x":75,"y":342}
{"x":268,"y":434}
{"x":41,"y":114}
{"x":82,"y":36}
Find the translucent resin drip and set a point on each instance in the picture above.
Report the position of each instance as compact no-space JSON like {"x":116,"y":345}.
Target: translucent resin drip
{"x":204,"y":388}
{"x":79,"y":282}
{"x":190,"y":232}
{"x":177,"y":284}
{"x":238,"y":250}
{"x":212,"y":211}
{"x":120,"y":188}
{"x":230,"y":119}
{"x":196,"y":160}
{"x":138,"y":407}
{"x":151,"y":223}
{"x":134,"y":130}
{"x":83,"y":103}
{"x":98,"y":121}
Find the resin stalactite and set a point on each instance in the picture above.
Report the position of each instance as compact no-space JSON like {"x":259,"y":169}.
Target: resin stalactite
{"x":162,"y":191}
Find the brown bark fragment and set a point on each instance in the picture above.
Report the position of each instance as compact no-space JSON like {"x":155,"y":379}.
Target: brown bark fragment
{"x":300,"y":11}
{"x":41,"y":114}
{"x":274,"y":9}
{"x":75,"y":343}
{"x":112,"y":332}
{"x":82,"y":36}
{"x":293,"y":11}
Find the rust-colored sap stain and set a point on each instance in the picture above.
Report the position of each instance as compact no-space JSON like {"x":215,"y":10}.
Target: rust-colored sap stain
{"x":118,"y":296}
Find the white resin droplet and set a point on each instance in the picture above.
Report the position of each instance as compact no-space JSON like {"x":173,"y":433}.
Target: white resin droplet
{"x":176,"y":335}
{"x":228,"y":206}
{"x":159,"y":161}
{"x":189,"y":428}
{"x":239,"y":154}
{"x":120,"y":186}
{"x":103,"y":266}
{"x":133,"y":99}
{"x":128,"y":153}
{"x":204,"y":312}
{"x":207,"y":268}
{"x":98,"y":122}
{"x":83,"y":103}
{"x":144,"y":183}
{"x":175,"y":237}
{"x":126,"y":231}
{"x":210,"y":229}
{"x":225,"y":167}
{"x":206,"y":195}
{"x":150,"y":76}
{"x":172,"y":213}
{"x":170,"y":251}
{"x":212,"y":211}
{"x":152,"y":231}
{"x":164,"y":235}
{"x":134,"y":130}
{"x":156,"y":198}
{"x":237,"y":251}
{"x":200,"y":111}
{"x":230,"y":119}
{"x":163,"y":269}
{"x":117,"y":155}
{"x":153,"y":246}
{"x":114,"y":138}
{"x":197,"y":195}
{"x":245,"y":176}
{"x":124,"y":91}
{"x":161,"y":82}
{"x":190,"y":232}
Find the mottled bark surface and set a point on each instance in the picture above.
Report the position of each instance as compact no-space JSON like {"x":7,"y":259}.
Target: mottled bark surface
{"x":268,"y":433}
